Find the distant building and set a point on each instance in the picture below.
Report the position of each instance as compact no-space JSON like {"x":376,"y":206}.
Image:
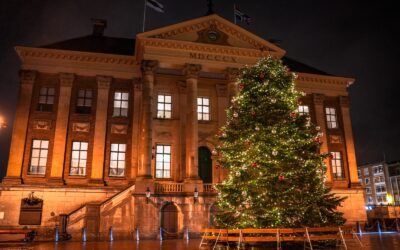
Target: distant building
{"x":120,"y":133}
{"x":381,"y":182}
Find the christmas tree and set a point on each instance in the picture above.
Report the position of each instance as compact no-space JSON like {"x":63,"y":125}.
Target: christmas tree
{"x":276,"y":172}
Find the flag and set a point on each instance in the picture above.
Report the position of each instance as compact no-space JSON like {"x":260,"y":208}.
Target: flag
{"x":241,"y":16}
{"x":155,"y":5}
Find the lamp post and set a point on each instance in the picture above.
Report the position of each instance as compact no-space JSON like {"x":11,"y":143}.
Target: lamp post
{"x":148,"y":194}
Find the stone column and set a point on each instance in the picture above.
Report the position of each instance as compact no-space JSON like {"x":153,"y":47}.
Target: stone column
{"x":320,"y":119}
{"x":182,"y":129}
{"x":137,"y":103}
{"x":60,"y":135}
{"x":231,"y":75}
{"x":192,"y":134}
{"x":349,"y":143}
{"x":18,"y":140}
{"x":100,"y":130}
{"x":146,"y":127}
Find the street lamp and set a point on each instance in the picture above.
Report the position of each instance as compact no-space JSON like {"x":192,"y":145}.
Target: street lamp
{"x":195,"y":195}
{"x":148,"y":194}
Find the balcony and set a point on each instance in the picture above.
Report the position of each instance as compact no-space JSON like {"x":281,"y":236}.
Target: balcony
{"x":173,"y":187}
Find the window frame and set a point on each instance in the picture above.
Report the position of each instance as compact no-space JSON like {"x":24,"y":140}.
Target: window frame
{"x":331,"y":118}
{"x":118,"y":111}
{"x":163,"y":162}
{"x":202,"y":114}
{"x":85,"y":108}
{"x":80,"y":159}
{"x":334,"y":165}
{"x":39,"y":157}
{"x":301,"y":111}
{"x":118,"y":153}
{"x":47,"y":104}
{"x":162,"y":113}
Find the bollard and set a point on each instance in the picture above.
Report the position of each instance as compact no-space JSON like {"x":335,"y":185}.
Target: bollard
{"x":84,"y":234}
{"x":137,"y":234}
{"x":379,"y":227}
{"x":111,"y":237}
{"x":187,"y":233}
{"x":56,"y":232}
{"x":359,"y":229}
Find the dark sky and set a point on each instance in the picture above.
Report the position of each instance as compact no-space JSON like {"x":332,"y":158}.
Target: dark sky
{"x":346,"y":38}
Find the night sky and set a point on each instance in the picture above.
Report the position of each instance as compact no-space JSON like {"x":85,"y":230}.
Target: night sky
{"x":356,"y":39}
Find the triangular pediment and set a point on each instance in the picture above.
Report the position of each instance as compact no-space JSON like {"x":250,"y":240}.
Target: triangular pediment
{"x":213,"y":30}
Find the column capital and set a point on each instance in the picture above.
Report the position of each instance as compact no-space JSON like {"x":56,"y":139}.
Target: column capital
{"x":231,"y":74}
{"x":344,"y":101}
{"x":192,"y":70}
{"x":318,"y":99}
{"x":221,"y":90}
{"x":27,"y":76}
{"x":103,"y":82}
{"x":182,"y":86}
{"x":149,"y":66}
{"x":66,"y":79}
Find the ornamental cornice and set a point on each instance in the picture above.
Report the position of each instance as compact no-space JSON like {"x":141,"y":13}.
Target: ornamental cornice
{"x":74,"y":56}
{"x":313,"y":78}
{"x":206,"y":48}
{"x":198,"y":24}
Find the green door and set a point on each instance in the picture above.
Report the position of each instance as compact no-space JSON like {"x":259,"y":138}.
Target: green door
{"x":205,"y":165}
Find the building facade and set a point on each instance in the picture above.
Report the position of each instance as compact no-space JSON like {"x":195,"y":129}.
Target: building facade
{"x":118,"y":134}
{"x":381,"y":182}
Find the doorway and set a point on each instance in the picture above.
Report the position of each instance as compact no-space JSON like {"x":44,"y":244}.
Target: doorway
{"x":169,"y":220}
{"x":205,"y":165}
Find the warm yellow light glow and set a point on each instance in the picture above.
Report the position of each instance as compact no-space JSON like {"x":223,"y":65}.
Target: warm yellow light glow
{"x":2,"y":122}
{"x":389,"y":198}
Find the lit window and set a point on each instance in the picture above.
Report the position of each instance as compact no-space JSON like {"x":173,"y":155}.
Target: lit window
{"x":337,"y":167}
{"x":331,"y":117}
{"x":46,"y":99}
{"x":78,"y":158}
{"x":380,"y":189}
{"x":164,"y":106}
{"x":369,"y":199}
{"x":84,"y":101}
{"x":366,"y":171}
{"x":203,"y":109}
{"x":368,"y":190}
{"x":378,"y":170}
{"x":121,"y":104}
{"x":366,"y":181}
{"x":381,"y":198}
{"x":163,"y":161}
{"x":39,"y":153}
{"x":303,"y":110}
{"x":117,"y":159}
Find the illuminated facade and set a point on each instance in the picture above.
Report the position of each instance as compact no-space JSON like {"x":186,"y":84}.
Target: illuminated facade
{"x":102,"y":120}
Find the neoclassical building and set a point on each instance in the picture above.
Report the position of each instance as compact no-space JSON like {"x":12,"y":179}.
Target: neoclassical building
{"x":115,"y":134}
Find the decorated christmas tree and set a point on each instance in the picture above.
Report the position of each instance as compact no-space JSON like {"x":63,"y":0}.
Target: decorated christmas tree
{"x":276,"y":172}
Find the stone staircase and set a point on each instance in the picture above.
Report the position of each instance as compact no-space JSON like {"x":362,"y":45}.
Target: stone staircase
{"x":93,"y":221}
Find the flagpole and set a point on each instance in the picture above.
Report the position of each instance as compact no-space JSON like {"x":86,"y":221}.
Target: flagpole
{"x":144,"y":15}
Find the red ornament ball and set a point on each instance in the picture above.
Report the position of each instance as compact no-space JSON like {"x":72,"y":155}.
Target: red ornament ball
{"x":253,"y":113}
{"x":241,"y":86}
{"x":281,"y":178}
{"x":217,"y":166}
{"x":254,"y":164}
{"x":262,"y":75}
{"x":293,"y":114}
{"x":317,"y":139}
